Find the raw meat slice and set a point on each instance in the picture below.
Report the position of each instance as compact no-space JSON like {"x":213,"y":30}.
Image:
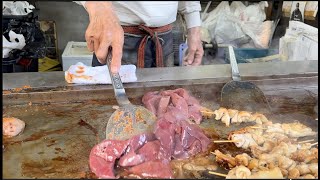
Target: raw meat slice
{"x":150,"y":150}
{"x":152,"y":169}
{"x":103,"y":155}
{"x":131,"y":159}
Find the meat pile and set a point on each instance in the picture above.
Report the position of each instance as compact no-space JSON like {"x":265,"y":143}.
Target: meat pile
{"x":148,"y":155}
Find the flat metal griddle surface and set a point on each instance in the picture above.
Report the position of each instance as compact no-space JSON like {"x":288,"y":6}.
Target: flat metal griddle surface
{"x":59,"y":136}
{"x":56,"y":141}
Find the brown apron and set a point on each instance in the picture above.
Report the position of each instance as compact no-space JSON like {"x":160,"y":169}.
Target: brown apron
{"x":146,"y":32}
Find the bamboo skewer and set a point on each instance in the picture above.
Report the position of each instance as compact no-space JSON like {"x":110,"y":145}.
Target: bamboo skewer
{"x":226,"y":141}
{"x":310,"y":140}
{"x":314,"y":144}
{"x":257,"y":127}
{"x":209,"y":112}
{"x":218,"y":174}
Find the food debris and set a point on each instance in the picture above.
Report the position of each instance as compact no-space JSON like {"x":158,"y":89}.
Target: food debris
{"x":12,"y":126}
{"x":115,"y":107}
{"x":22,"y":88}
{"x":6,"y":92}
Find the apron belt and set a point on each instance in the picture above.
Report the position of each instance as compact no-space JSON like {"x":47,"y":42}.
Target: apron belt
{"x":148,"y":32}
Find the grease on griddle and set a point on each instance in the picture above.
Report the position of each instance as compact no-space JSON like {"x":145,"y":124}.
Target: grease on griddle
{"x":37,"y":136}
{"x":52,"y":142}
{"x":59,"y":158}
{"x":88,"y":126}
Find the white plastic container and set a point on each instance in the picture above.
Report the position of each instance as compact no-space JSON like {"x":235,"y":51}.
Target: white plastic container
{"x":76,"y":52}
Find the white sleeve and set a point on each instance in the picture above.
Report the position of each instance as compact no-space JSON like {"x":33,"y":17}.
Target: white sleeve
{"x":191,"y":11}
{"x":80,"y":3}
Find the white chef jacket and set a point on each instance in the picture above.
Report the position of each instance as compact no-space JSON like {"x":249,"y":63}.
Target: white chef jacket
{"x":155,"y":13}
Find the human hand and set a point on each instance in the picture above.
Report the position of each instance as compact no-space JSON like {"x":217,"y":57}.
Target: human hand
{"x":195,"y":49}
{"x":104,"y":30}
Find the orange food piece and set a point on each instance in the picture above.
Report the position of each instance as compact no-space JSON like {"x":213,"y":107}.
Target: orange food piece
{"x":80,"y":71}
{"x":26,"y":87}
{"x":17,"y":89}
{"x":69,"y":77}
{"x":6,"y":92}
{"x":12,"y":126}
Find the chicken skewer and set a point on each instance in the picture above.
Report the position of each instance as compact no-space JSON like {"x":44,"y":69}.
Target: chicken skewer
{"x":228,"y":116}
{"x":288,"y":167}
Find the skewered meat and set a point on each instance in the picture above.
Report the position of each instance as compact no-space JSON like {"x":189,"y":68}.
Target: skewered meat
{"x":305,"y":155}
{"x":226,"y":119}
{"x":258,"y":139}
{"x":228,"y":116}
{"x":242,"y":159}
{"x":314,"y":168}
{"x":267,"y":146}
{"x":275,"y":128}
{"x":259,"y":118}
{"x":244,"y":116}
{"x":263,"y":165}
{"x":308,"y":176}
{"x":294,"y":173}
{"x":253,"y":164}
{"x":220,"y":112}
{"x":278,"y":137}
{"x":239,"y":172}
{"x":223,"y":158}
{"x":274,"y":173}
{"x":303,"y":169}
{"x":12,"y":126}
{"x":244,"y":140}
{"x":297,"y":129}
{"x":285,"y":162}
{"x":268,"y":157}
{"x":244,"y":173}
{"x":232,"y":112}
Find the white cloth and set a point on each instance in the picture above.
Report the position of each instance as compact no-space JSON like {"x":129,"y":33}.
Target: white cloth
{"x":82,"y":74}
{"x":155,"y":13}
{"x":8,"y":46}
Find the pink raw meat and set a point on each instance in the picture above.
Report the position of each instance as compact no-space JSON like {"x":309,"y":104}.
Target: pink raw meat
{"x":131,"y":159}
{"x":103,"y":155}
{"x":152,"y":169}
{"x":150,"y":150}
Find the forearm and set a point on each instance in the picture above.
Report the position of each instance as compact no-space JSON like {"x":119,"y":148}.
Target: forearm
{"x":191,"y":11}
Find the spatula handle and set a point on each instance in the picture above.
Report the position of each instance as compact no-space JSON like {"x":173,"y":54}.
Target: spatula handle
{"x":119,"y":91}
{"x":234,"y":65}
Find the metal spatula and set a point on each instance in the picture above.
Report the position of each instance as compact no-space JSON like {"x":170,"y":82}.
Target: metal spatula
{"x":242,"y":95}
{"x":129,"y":119}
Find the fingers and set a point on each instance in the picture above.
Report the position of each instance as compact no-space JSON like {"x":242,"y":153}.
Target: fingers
{"x":116,"y":57}
{"x":89,"y":40}
{"x":197,"y":59}
{"x":190,"y":56}
{"x":90,"y":44}
{"x":102,"y":50}
{"x":194,"y":56}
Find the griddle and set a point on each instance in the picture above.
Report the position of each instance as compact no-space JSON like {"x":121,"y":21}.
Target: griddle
{"x":64,"y":122}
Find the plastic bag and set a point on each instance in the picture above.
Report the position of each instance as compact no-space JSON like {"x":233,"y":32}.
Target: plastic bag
{"x":7,"y":46}
{"x":238,"y":25}
{"x":16,"y":8}
{"x":34,"y":39}
{"x":299,"y":43}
